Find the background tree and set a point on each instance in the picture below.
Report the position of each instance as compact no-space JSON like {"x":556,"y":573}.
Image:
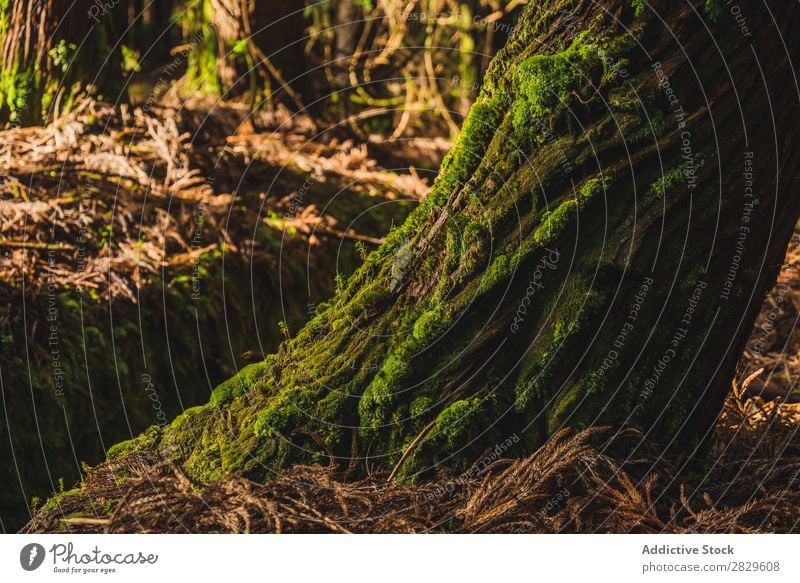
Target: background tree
{"x":403,"y":66}
{"x":241,"y":46}
{"x":52,"y":49}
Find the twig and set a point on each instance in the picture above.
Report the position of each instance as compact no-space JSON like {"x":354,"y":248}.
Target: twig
{"x":410,"y":448}
{"x":35,"y":245}
{"x":78,"y":521}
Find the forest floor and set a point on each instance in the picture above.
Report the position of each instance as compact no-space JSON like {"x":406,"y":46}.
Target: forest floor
{"x":597,"y":480}
{"x":131,"y":186}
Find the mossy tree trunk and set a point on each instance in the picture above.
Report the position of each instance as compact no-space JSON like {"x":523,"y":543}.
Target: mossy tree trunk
{"x":594,"y":251}
{"x":47,"y":47}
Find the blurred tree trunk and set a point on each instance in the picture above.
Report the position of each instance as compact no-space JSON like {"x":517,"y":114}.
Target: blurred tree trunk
{"x":346,"y":21}
{"x":47,"y":46}
{"x":595,"y":250}
{"x":237,"y":43}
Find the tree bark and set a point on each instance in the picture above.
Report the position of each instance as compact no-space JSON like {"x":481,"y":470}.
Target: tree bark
{"x":46,"y":47}
{"x":347,"y":20}
{"x":595,"y":251}
{"x":242,"y":46}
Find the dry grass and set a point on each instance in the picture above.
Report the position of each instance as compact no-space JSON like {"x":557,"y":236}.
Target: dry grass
{"x":104,"y":199}
{"x":575,"y":483}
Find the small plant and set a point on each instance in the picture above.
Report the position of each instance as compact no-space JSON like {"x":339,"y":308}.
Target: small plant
{"x":130,"y":60}
{"x":62,"y":55}
{"x":284,"y":328}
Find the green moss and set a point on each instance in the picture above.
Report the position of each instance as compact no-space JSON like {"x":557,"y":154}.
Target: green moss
{"x":15,"y":91}
{"x":545,"y":84}
{"x":554,"y":222}
{"x":454,"y":422}
{"x":544,"y":81}
{"x":27,"y":88}
{"x":374,"y":407}
{"x":499,"y":271}
{"x":656,"y":128}
{"x":60,"y":498}
{"x":562,"y":330}
{"x":479,"y":128}
{"x":420,"y":406}
{"x":622,"y":99}
{"x":713,"y":9}
{"x":201,"y":68}
{"x":282,"y":410}
{"x":330,"y":409}
{"x":666,"y":182}
{"x":429,"y":325}
{"x":673,"y":178}
{"x":4,"y":14}
{"x":275,"y":418}
{"x":146,"y":440}
{"x":594,"y":186}
{"x":241,"y":383}
{"x":570,"y":309}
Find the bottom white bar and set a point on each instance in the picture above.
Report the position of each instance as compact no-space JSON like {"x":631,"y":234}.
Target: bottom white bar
{"x":398,"y":558}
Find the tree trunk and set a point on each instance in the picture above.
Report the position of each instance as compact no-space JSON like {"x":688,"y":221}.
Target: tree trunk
{"x":46,"y":47}
{"x":241,"y":45}
{"x":594,"y":251}
{"x":348,"y":18}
